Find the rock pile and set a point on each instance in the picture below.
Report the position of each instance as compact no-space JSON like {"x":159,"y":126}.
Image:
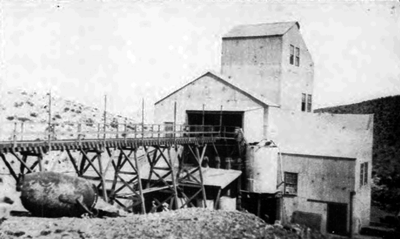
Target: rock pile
{"x":185,"y":223}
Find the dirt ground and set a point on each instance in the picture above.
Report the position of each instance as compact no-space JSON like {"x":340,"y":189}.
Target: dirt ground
{"x":186,"y":223}
{"x":183,"y":223}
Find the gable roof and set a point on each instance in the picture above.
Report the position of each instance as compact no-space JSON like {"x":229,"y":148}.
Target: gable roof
{"x":224,"y":80}
{"x":260,"y":30}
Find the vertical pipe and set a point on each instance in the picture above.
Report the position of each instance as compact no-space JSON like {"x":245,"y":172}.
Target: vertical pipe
{"x":220,"y":122}
{"x":15,"y":134}
{"x":50,"y":124}
{"x":142,"y":118}
{"x":175,"y":122}
{"x":105,"y":117}
{"x":125,"y":130}
{"x":22,"y":131}
{"x":202,"y":122}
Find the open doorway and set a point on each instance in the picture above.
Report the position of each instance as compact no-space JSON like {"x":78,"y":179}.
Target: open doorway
{"x":226,"y":151}
{"x":224,"y":118}
{"x":337,"y":219}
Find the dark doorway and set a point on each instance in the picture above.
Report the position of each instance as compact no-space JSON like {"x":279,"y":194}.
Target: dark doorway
{"x":226,"y":151}
{"x":337,"y":219}
{"x":224,"y":118}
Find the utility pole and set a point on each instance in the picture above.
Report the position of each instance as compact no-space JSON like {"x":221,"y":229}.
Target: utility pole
{"x":50,"y":123}
{"x":105,"y":117}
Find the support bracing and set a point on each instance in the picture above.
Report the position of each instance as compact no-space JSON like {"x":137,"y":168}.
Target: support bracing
{"x":146,"y":168}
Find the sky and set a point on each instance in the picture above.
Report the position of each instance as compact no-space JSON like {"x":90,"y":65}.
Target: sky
{"x":134,"y":50}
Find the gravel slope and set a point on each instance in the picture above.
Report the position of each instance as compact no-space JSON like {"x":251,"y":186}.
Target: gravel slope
{"x":184,"y":223}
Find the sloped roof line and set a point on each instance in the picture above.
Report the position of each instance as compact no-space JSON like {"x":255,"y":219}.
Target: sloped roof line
{"x":258,"y":99}
{"x":261,"y":30}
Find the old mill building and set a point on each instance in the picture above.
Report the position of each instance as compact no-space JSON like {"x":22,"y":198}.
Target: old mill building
{"x":298,"y":166}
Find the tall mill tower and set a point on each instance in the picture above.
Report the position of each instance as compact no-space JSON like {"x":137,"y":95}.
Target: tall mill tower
{"x":273,"y":60}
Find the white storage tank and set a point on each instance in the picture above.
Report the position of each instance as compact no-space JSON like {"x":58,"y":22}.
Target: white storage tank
{"x":261,"y":169}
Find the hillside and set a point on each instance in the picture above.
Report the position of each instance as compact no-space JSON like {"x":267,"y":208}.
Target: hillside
{"x":29,"y":110}
{"x":386,"y":148}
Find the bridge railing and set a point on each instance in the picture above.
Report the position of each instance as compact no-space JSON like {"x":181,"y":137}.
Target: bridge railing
{"x":31,"y":131}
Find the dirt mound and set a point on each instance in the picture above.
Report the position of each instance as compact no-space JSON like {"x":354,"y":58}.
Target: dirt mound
{"x":184,"y":223}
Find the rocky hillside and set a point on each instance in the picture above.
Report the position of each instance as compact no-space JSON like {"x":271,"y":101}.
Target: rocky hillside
{"x":386,"y":148}
{"x":29,"y":111}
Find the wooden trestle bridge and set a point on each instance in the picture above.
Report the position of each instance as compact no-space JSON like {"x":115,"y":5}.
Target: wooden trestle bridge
{"x":142,"y":159}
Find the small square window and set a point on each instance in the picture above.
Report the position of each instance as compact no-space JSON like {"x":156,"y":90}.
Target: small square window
{"x":290,"y":183}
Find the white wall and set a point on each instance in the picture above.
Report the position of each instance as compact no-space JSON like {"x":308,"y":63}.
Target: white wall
{"x":212,"y":93}
{"x":362,"y":198}
{"x":341,"y":136}
{"x":319,"y":179}
{"x":295,"y":79}
{"x":255,"y":62}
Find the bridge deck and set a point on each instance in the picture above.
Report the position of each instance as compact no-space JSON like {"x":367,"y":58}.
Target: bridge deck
{"x":63,"y":144}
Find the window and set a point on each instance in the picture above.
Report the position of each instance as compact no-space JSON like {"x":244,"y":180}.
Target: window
{"x":290,"y":183}
{"x":297,"y":56}
{"x":364,"y":174}
{"x":309,"y":103}
{"x":291,"y":58}
{"x":303,"y":102}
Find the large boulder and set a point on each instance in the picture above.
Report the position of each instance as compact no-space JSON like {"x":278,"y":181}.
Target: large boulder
{"x":50,"y":194}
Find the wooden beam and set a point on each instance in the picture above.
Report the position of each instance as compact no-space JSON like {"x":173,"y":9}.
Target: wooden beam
{"x":174,"y":183}
{"x":91,"y":163}
{"x":23,"y":162}
{"x":8,"y":165}
{"x":40,"y":158}
{"x":201,"y":173}
{"x":91,"y":160}
{"x":103,"y":182}
{"x":73,"y":161}
{"x":217,"y":199}
{"x":139,"y":182}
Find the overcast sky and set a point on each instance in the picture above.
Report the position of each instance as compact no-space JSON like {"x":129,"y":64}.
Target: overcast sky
{"x":131,"y":50}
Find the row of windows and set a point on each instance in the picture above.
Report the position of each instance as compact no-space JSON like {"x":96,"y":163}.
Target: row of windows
{"x":306,"y":102}
{"x":294,"y":58}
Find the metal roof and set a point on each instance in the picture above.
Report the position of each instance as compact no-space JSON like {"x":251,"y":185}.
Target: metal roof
{"x":260,"y":30}
{"x":211,"y":176}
